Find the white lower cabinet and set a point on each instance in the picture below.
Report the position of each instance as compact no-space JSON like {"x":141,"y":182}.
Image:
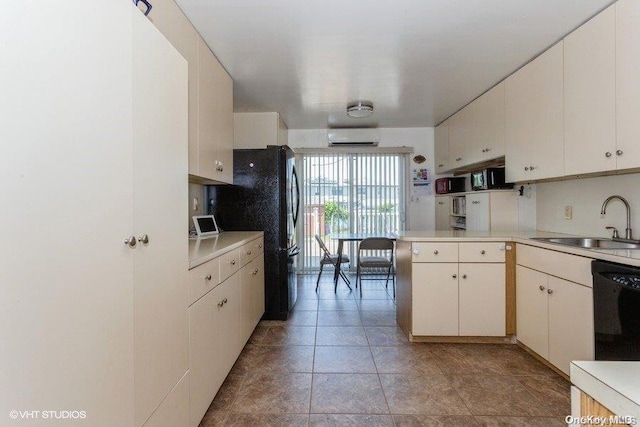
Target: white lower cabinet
{"x":221,"y":322}
{"x":443,"y":210}
{"x":174,"y":410}
{"x":462,"y":296}
{"x":554,"y":317}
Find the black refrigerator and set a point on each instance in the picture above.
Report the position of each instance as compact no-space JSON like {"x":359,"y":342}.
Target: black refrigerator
{"x":265,"y":196}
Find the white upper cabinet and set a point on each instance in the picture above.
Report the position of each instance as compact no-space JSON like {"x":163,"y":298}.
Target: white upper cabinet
{"x":476,"y":133}
{"x":628,"y":84}
{"x":534,"y":119}
{"x":257,"y":130}
{"x":488,"y":125}
{"x":441,"y":147}
{"x":589,"y":96}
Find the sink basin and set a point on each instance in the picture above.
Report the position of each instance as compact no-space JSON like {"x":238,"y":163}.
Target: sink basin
{"x":589,"y":242}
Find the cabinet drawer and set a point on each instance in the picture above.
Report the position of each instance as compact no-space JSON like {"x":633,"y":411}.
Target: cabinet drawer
{"x":250,"y":251}
{"x":229,"y":264}
{"x":566,"y":266}
{"x":482,"y":252}
{"x":203,"y":278}
{"x":434,"y":252}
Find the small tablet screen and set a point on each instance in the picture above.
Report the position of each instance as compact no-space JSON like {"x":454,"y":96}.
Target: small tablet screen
{"x":205,"y":225}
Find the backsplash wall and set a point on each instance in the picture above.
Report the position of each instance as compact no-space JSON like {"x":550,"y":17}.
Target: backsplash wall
{"x":586,"y":197}
{"x":195,"y":191}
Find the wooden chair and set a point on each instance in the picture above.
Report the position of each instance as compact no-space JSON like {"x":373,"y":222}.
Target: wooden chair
{"x":328,"y":258}
{"x":376,"y":262}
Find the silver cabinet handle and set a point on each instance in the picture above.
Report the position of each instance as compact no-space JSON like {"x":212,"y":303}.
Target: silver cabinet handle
{"x":619,"y":152}
{"x":549,"y":291}
{"x":440,"y":165}
{"x":482,"y":252}
{"x":224,"y":300}
{"x":233,"y":262}
{"x":221,"y":303}
{"x":254,"y":272}
{"x":464,"y":276}
{"x":441,"y":203}
{"x":435,"y":252}
{"x":531,"y":168}
{"x":455,"y":276}
{"x":248,"y":252}
{"x":526,"y":168}
{"x":458,"y":159}
{"x":475,"y":202}
{"x":208,"y":277}
{"x":260,"y":246}
{"x":131,"y":241}
{"x":607,"y":154}
{"x":143,"y":239}
{"x":542,"y":288}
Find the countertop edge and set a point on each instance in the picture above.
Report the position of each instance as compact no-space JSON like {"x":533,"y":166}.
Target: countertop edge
{"x":595,"y":378}
{"x":236,"y":239}
{"x":627,"y":257}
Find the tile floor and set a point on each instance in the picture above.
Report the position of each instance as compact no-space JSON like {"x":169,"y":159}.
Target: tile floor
{"x":342,"y":361}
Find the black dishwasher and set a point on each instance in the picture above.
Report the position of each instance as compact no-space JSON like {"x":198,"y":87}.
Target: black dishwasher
{"x":616,"y":311}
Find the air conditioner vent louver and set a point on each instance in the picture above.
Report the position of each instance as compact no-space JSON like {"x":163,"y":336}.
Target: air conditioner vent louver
{"x":353,"y":137}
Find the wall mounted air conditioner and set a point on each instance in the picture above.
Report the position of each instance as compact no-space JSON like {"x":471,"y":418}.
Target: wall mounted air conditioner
{"x":353,"y":137}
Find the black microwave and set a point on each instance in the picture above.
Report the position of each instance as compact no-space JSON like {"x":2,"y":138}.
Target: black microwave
{"x":489,"y":179}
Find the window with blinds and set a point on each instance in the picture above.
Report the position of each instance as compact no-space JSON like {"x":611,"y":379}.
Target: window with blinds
{"x":348,"y":193}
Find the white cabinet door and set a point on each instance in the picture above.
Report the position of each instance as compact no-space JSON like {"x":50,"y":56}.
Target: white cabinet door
{"x":175,"y":26}
{"x":478,"y":212}
{"x":570,"y":323}
{"x":482,"y":299}
{"x":441,"y":147}
{"x":223,"y":124}
{"x":435,"y":299}
{"x":442,"y":212}
{"x":460,"y":133}
{"x":66,"y":278}
{"x":207,"y":110}
{"x":230,"y":339}
{"x":532,"y":311}
{"x":174,"y":410}
{"x":205,"y":354}
{"x":534,"y":124}
{"x":160,"y":133}
{"x":589,"y":96}
{"x":487,"y":141}
{"x":258,"y":289}
{"x":627,"y":83}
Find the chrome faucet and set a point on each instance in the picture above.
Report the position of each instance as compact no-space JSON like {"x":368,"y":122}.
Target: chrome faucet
{"x":628,"y":233}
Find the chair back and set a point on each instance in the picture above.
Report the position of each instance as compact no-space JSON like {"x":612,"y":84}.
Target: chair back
{"x":326,"y":252}
{"x":376,"y":243}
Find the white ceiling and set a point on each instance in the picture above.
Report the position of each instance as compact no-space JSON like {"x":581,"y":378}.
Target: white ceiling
{"x":418,"y":61}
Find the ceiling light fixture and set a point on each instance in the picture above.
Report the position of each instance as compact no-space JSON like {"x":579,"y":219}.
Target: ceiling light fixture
{"x":360,"y":109}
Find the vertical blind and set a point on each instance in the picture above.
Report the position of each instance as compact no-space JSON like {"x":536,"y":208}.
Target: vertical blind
{"x":348,"y":193}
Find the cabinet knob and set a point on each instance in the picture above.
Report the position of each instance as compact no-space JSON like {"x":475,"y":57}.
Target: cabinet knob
{"x":458,"y":159}
{"x":221,"y":303}
{"x":607,"y":154}
{"x":619,"y":152}
{"x":441,"y":203}
{"x":254,"y":272}
{"x":455,"y":276}
{"x":464,"y":276}
{"x":441,"y":165}
{"x":260,"y":246}
{"x":435,"y":252}
{"x":233,"y":262}
{"x":549,"y":291}
{"x":143,"y":239}
{"x":484,"y":150}
{"x":526,"y":168}
{"x":416,"y":251}
{"x":208,"y":277}
{"x":542,"y":288}
{"x":475,"y":202}
{"x":224,"y":300}
{"x":131,"y":241}
{"x":531,"y":168}
{"x":248,"y":252}
{"x":482,"y":252}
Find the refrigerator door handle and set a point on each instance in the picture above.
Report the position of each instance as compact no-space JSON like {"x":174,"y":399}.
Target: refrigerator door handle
{"x":294,"y":187}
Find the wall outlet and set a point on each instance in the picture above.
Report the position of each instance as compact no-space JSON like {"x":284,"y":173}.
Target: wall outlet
{"x":568,"y":212}
{"x":196,"y":204}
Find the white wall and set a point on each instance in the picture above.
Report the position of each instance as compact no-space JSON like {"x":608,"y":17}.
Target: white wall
{"x":586,"y":197}
{"x":420,"y":210}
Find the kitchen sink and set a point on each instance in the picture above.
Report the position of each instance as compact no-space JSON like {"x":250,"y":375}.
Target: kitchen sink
{"x":590,"y":242}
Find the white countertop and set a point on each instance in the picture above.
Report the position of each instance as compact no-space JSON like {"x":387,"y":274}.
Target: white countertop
{"x":622,"y":256}
{"x":205,"y":249}
{"x":616,"y":385}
